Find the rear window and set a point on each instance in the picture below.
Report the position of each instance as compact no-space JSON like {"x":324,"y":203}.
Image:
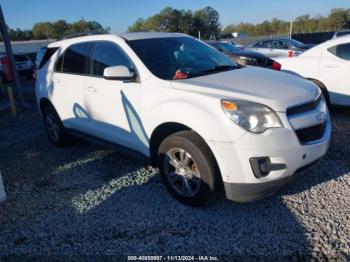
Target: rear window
{"x":46,"y":57}
{"x":21,"y":58}
{"x":342,"y":51}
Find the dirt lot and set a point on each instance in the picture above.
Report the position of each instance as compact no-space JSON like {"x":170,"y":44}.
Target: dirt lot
{"x":86,"y":200}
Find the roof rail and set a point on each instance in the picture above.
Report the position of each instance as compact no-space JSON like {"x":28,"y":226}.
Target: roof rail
{"x":78,"y":34}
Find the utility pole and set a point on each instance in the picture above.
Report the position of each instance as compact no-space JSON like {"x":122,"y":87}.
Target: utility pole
{"x":6,"y":38}
{"x":199,"y":35}
{"x":83,"y":21}
{"x":291,"y":29}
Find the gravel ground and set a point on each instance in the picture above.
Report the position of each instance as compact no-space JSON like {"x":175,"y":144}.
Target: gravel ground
{"x":86,"y":200}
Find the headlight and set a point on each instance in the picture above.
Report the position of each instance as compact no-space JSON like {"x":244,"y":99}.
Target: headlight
{"x":253,"y":117}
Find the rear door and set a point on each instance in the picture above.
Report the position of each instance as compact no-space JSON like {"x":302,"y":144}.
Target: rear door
{"x":113,"y":105}
{"x":68,"y":78}
{"x":279,"y":48}
{"x":334,"y":73}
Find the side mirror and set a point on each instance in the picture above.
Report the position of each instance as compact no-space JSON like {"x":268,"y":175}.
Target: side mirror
{"x":119,"y":73}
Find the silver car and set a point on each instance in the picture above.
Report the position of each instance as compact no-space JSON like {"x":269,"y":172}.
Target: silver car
{"x":279,"y":47}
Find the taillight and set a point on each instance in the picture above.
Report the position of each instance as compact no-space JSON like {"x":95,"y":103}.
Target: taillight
{"x":276,"y":66}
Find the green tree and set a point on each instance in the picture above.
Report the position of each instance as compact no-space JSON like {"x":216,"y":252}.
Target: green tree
{"x":169,"y":19}
{"x":338,"y":19}
{"x":137,"y":26}
{"x":43,"y":30}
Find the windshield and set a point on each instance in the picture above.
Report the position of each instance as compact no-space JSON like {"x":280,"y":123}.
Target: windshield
{"x":180,"y":57}
{"x":226,"y":47}
{"x":296,"y":43}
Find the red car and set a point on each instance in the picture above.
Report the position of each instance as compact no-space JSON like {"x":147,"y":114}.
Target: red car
{"x":24,"y":66}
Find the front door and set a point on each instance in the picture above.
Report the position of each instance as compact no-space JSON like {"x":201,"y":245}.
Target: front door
{"x":113,"y":105}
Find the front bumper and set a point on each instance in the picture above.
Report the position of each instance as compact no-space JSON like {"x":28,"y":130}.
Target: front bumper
{"x":280,"y":145}
{"x":240,"y":192}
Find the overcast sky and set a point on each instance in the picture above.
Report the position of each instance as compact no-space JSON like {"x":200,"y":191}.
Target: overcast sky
{"x":119,"y":14}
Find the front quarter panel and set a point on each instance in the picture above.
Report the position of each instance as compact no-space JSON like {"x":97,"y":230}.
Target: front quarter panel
{"x":160,"y":103}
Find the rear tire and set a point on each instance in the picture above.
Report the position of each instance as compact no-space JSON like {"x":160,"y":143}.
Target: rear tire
{"x":188,"y":168}
{"x":54,"y":127}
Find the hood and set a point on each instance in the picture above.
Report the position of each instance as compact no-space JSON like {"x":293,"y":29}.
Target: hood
{"x":275,"y":89}
{"x":246,"y":53}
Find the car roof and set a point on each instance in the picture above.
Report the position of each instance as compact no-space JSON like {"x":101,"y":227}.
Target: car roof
{"x":339,"y":39}
{"x":125,"y":36}
{"x":148,"y":35}
{"x":274,"y":38}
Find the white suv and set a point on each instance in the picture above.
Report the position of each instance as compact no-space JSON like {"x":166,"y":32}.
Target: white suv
{"x":202,"y":119}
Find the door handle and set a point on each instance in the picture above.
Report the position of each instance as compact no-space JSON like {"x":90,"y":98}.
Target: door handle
{"x":56,"y":80}
{"x":92,"y":89}
{"x":331,"y":66}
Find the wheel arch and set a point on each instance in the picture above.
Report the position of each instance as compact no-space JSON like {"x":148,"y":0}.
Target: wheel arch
{"x":161,"y":132}
{"x":43,"y":103}
{"x":323,"y":89}
{"x":166,"y":129}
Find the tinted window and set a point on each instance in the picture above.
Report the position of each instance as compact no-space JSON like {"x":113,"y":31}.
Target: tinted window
{"x":226,"y":47}
{"x":58,"y":64}
{"x":168,"y":57}
{"x":75,"y":58}
{"x":263,"y":44}
{"x":341,"y":51}
{"x":44,"y":55}
{"x":21,"y":58}
{"x":343,"y":33}
{"x":259,"y":45}
{"x":105,"y":55}
{"x":296,"y":43}
{"x":284,"y":44}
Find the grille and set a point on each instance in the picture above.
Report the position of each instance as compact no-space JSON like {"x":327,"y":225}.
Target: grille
{"x":304,"y":107}
{"x":312,"y":133}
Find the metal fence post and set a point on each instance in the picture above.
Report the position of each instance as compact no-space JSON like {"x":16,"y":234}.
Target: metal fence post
{"x":6,"y":39}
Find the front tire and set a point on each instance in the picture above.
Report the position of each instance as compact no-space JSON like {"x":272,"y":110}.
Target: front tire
{"x":54,"y":127}
{"x":188,"y":168}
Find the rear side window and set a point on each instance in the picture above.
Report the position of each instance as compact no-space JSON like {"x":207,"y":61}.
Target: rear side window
{"x":341,"y":51}
{"x":263,"y":44}
{"x":75,"y":57}
{"x":259,"y":44}
{"x":107,"y":54}
{"x":44,"y":55}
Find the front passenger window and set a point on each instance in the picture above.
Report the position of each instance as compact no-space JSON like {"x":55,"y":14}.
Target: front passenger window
{"x":108,"y":54}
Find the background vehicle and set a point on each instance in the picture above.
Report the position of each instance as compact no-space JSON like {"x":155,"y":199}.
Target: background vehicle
{"x":279,"y":47}
{"x":244,"y":57}
{"x":201,"y":118}
{"x":24,"y":65}
{"x":341,"y":33}
{"x":328,"y":66}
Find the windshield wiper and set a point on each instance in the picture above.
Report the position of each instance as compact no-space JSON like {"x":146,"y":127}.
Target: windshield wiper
{"x":214,"y":69}
{"x":218,"y":68}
